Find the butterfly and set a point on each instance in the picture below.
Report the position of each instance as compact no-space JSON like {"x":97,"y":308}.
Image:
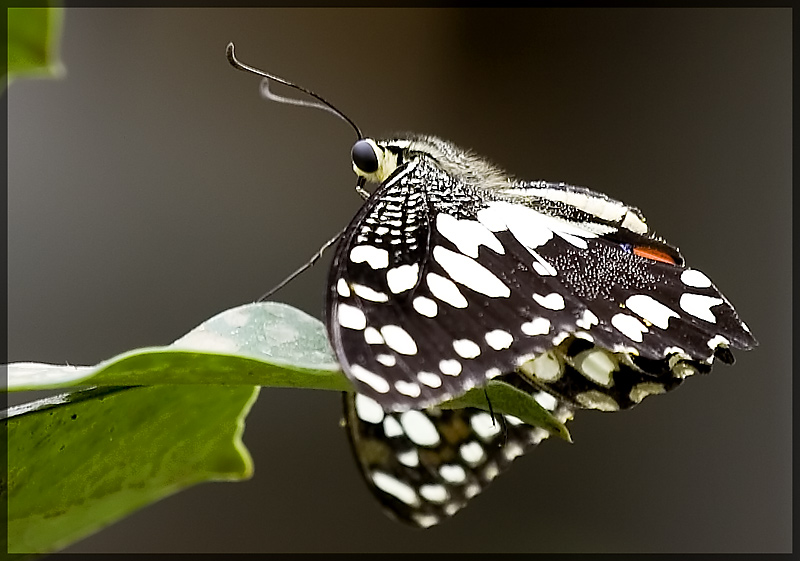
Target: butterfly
{"x":454,"y":273}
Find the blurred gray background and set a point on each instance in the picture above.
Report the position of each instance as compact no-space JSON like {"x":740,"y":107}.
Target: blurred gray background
{"x":151,"y":188}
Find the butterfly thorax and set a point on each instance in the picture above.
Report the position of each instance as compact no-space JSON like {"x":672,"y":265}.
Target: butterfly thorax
{"x":470,"y":172}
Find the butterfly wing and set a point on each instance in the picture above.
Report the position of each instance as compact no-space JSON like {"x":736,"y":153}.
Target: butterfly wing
{"x":437,"y":286}
{"x":424,"y":465}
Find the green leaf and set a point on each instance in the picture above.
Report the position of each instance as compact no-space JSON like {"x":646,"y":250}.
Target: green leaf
{"x":505,"y":398}
{"x":33,"y":36}
{"x":264,"y":344}
{"x":81,"y":461}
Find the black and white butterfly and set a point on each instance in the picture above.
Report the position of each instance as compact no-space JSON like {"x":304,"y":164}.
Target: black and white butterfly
{"x":454,"y":273}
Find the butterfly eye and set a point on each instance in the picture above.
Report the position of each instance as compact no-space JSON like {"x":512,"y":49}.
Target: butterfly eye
{"x":364,"y":156}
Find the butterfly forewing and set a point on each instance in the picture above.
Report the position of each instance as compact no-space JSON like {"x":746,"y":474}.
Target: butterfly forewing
{"x":392,"y":336}
{"x":438,"y":285}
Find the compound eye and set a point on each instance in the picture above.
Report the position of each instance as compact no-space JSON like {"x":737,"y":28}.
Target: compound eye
{"x":364,"y":156}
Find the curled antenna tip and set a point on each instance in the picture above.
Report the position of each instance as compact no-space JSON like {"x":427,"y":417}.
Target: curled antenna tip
{"x":265,"y":91}
{"x":231,"y":56}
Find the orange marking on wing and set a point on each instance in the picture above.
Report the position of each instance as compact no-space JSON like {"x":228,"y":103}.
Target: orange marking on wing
{"x":653,"y":254}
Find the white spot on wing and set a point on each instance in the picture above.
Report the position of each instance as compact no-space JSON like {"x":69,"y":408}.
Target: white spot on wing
{"x":499,"y":339}
{"x":472,"y":453}
{"x":641,"y":391}
{"x":368,"y":409}
{"x":629,"y":326}
{"x":425,"y":306}
{"x":409,"y":458}
{"x":523,"y":222}
{"x":471,"y":490}
{"x":402,"y":278}
{"x":541,"y":266}
{"x":466,"y":348}
{"x":375,"y":257}
{"x":467,"y":235}
{"x":493,"y":372}
{"x":491,"y":471}
{"x":453,"y":473}
{"x":386,"y":360}
{"x":694,"y":278}
{"x":492,"y":218}
{"x":553,"y":301}
{"x":451,"y":508}
{"x":650,"y":309}
{"x":676,"y":351}
{"x":451,"y":367}
{"x":425,"y":520}
{"x":470,"y":273}
{"x":342,"y":288}
{"x":543,"y":270}
{"x":398,"y":339}
{"x":700,"y":306}
{"x":395,"y":487}
{"x":574,"y":240}
{"x":419,"y":428}
{"x":512,"y":450}
{"x":391,"y":427}
{"x":560,"y":338}
{"x":537,"y":435}
{"x":351,"y":317}
{"x":370,"y":378}
{"x":587,"y":320}
{"x":634,"y":223}
{"x":597,"y":365}
{"x":546,"y":400}
{"x":367,"y":293}
{"x":546,"y":367}
{"x":718,"y":341}
{"x":537,"y":326}
{"x":372,"y":336}
{"x":484,"y":426}
{"x":531,"y":228}
{"x":410,"y":389}
{"x":594,"y":399}
{"x":445,"y":290}
{"x":429,"y":379}
{"x":434,"y":492}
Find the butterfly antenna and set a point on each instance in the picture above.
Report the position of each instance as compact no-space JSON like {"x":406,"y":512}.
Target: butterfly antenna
{"x":303,"y":268}
{"x":265,"y":91}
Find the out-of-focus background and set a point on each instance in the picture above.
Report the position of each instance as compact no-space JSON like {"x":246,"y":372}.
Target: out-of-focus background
{"x":152,"y":187}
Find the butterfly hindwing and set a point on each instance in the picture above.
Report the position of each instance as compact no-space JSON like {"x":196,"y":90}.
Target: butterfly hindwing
{"x":425,"y":465}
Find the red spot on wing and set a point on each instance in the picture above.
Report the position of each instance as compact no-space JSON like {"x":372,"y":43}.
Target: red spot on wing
{"x":653,"y":254}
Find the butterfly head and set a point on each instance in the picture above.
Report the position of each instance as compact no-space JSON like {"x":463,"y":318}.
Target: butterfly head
{"x":376,"y":160}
